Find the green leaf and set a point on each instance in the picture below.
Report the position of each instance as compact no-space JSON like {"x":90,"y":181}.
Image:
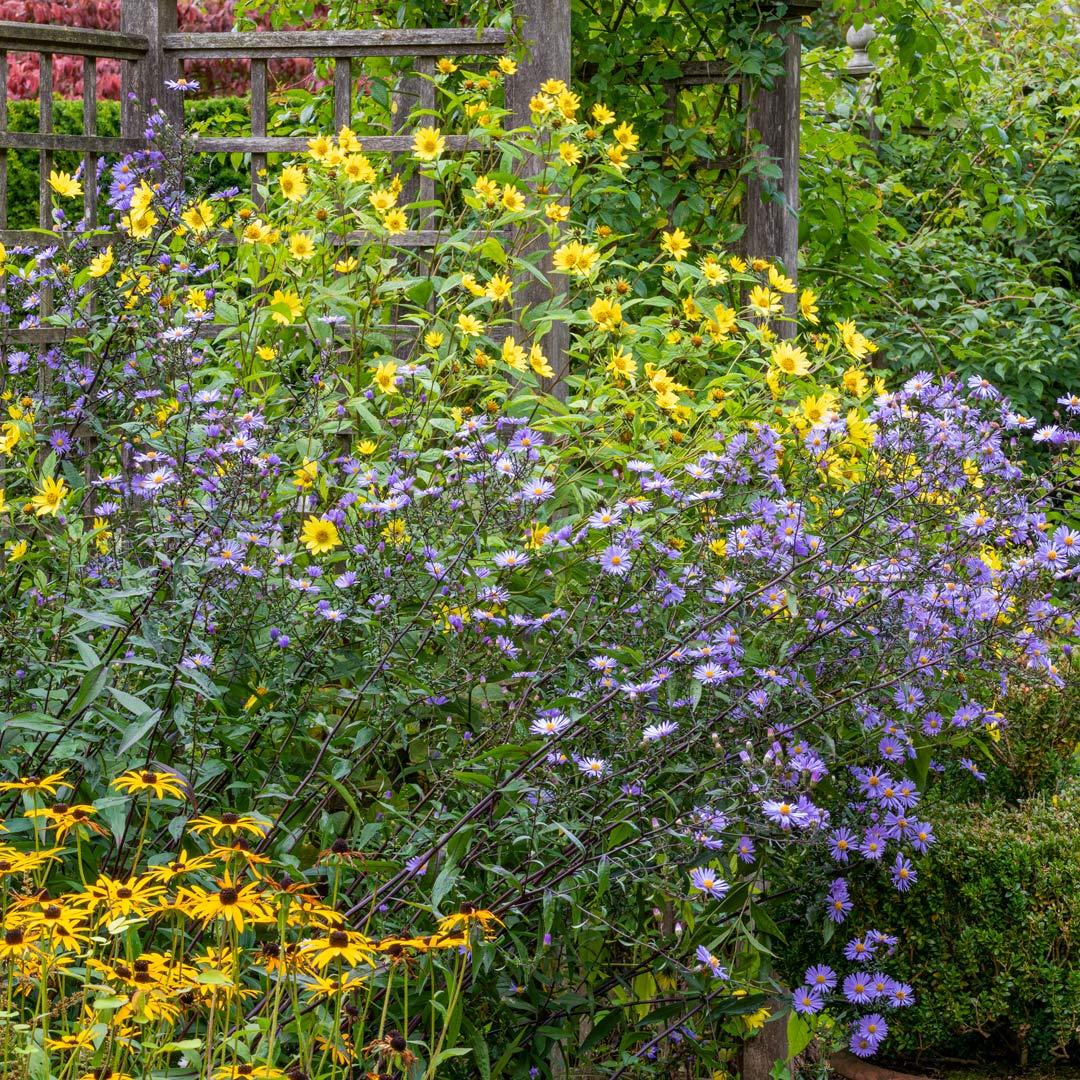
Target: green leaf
{"x":138,"y":730}
{"x":799,"y":1033}
{"x":135,"y":706}
{"x":90,"y":689}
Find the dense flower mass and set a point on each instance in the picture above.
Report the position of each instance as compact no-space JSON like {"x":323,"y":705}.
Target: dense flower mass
{"x":290,"y":523}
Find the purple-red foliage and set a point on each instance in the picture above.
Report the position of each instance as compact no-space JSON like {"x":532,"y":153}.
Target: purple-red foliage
{"x":216,"y":77}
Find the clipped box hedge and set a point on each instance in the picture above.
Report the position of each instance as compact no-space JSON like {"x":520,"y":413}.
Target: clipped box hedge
{"x":989,"y":936}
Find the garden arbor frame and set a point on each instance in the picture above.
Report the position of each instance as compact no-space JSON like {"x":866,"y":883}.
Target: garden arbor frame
{"x":151,"y":50}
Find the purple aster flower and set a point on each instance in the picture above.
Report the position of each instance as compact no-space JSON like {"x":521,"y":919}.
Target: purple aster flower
{"x":861,"y":1046}
{"x":839,"y":902}
{"x":857,"y":988}
{"x":60,"y":441}
{"x":538,"y":491}
{"x":922,"y":836}
{"x":982,"y":389}
{"x":968,"y":764}
{"x":903,"y":873}
{"x":745,"y":849}
{"x":510,"y":560}
{"x":873,"y":1028}
{"x":553,"y":722}
{"x":709,"y":882}
{"x":784,"y":814}
{"x":712,"y":964}
{"x":808,"y":1000}
{"x":615,"y":559}
{"x":901,"y":995}
{"x":873,"y":844}
{"x":821,"y":977}
{"x":652,"y":732}
{"x":842,"y":842}
{"x":591,"y":766}
{"x":859,"y":948}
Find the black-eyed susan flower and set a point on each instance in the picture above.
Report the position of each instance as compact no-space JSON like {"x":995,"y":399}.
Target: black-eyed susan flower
{"x":352,"y":948}
{"x":16,"y":943}
{"x":469,"y":916}
{"x":58,"y":924}
{"x":157,"y":784}
{"x":181,"y":863}
{"x":65,"y":818}
{"x":240,"y":905}
{"x":326,"y":988}
{"x":39,"y":785}
{"x":239,"y":847}
{"x":247,"y":1071}
{"x":113,"y":898}
{"x":229,"y":822}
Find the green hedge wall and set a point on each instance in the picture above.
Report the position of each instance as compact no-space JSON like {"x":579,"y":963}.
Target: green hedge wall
{"x":989,"y":936}
{"x":227,"y":116}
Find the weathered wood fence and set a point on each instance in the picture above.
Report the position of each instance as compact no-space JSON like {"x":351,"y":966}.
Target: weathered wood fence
{"x":151,"y":50}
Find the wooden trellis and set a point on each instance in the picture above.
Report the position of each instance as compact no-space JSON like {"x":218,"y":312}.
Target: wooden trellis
{"x":151,"y":50}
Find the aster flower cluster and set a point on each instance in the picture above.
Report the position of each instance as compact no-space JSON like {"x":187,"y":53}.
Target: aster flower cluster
{"x":300,"y":523}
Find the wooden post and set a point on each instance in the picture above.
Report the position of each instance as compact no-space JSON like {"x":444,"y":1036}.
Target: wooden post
{"x":545,"y":29}
{"x":146,"y":78}
{"x":771,"y":209}
{"x":759,"y":1055}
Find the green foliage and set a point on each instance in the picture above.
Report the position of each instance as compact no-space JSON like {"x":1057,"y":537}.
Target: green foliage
{"x":954,"y":235}
{"x":210,"y":172}
{"x":989,"y":934}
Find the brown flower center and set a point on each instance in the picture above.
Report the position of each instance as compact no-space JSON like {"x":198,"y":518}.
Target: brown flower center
{"x":338,"y":939}
{"x":229,"y":818}
{"x":13,"y":936}
{"x":124,"y":893}
{"x":52,"y":912}
{"x":227,"y":897}
{"x":149,"y":778}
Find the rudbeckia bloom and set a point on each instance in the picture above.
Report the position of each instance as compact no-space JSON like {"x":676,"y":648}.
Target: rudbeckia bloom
{"x":468,"y":917}
{"x":232,"y":902}
{"x":158,"y":784}
{"x":339,"y":944}
{"x":229,"y":822}
{"x":48,"y":785}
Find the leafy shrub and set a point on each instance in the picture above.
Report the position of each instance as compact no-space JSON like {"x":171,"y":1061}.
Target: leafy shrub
{"x":990,"y":934}
{"x":950,"y":229}
{"x":291,"y":517}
